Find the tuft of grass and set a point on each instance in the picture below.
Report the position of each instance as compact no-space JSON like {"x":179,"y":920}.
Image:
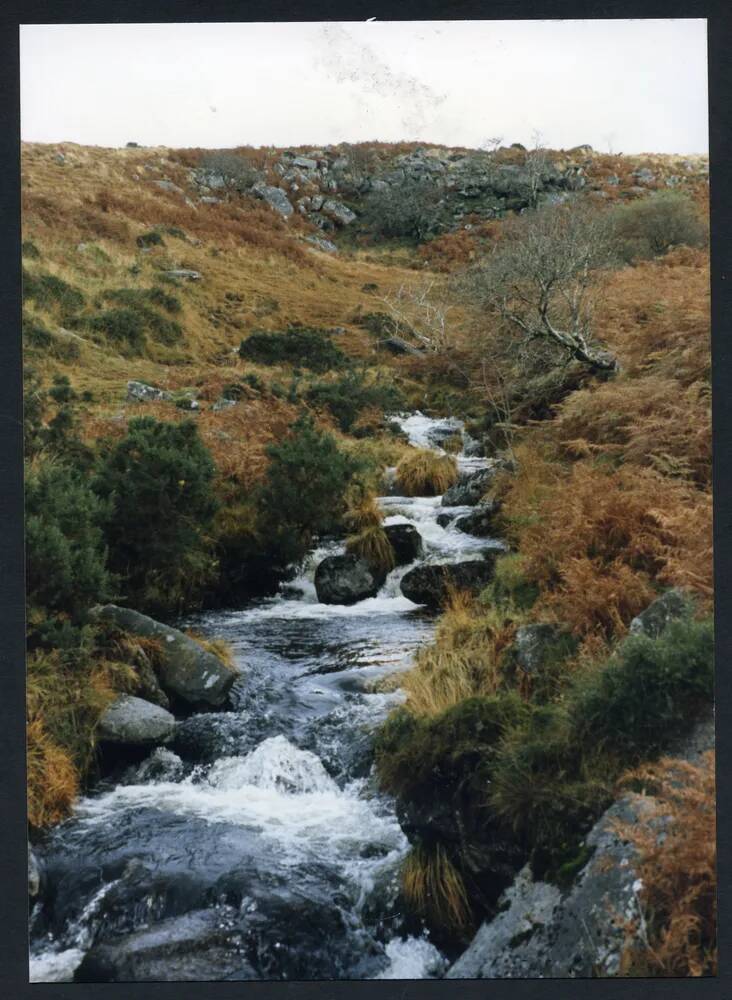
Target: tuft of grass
{"x":435,"y":889}
{"x":372,"y":545}
{"x":220,"y":648}
{"x":426,"y":473}
{"x":465,"y":659}
{"x":53,"y":780}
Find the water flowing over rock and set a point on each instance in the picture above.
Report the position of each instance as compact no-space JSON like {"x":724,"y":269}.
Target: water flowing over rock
{"x":134,"y":722}
{"x":186,"y":670}
{"x":346,"y":579}
{"x":469,"y":491}
{"x":255,"y":843}
{"x":430,"y":583}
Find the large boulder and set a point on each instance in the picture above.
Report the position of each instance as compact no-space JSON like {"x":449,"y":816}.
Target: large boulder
{"x":346,"y":579}
{"x":468,"y":490}
{"x":541,"y":932}
{"x":135,"y":722}
{"x":479,"y":522}
{"x":406,"y":542}
{"x":651,"y":622}
{"x":429,"y":583}
{"x":185,"y":670}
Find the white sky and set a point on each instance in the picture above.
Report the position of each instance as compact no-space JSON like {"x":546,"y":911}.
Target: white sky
{"x":624,"y":85}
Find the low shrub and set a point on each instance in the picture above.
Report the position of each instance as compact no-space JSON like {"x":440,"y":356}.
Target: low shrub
{"x":49,"y":291}
{"x":301,"y":346}
{"x":555,"y":772}
{"x":65,"y":551}
{"x":37,"y":338}
{"x":150,"y":239}
{"x":158,"y":484}
{"x":141,"y":297}
{"x":130,"y":323}
{"x":30,"y":250}
{"x":651,"y":226}
{"x":346,"y":398}
{"x":304,"y":493}
{"x":426,"y":473}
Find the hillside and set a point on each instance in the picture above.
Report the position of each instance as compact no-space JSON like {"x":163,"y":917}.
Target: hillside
{"x":217,"y":344}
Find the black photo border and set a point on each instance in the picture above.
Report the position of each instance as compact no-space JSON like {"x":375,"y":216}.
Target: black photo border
{"x":13,"y":880}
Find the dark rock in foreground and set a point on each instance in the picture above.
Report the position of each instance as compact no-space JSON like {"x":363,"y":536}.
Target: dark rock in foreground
{"x":184,"y":668}
{"x":406,"y":542}
{"x":346,"y":579}
{"x":202,"y":945}
{"x":135,"y":722}
{"x":429,"y":584}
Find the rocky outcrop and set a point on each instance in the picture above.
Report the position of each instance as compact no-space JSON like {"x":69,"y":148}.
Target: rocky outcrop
{"x":185,"y":670}
{"x":481,"y":521}
{"x":135,"y":722}
{"x":541,"y":932}
{"x":651,"y":622}
{"x":429,"y":584}
{"x":346,"y":579}
{"x":406,"y":542}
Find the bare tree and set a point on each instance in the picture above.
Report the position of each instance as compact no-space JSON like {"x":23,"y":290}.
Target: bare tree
{"x":536,"y":163}
{"x":422,"y":314}
{"x":541,"y":278}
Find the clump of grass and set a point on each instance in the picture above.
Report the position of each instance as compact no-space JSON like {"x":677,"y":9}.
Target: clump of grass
{"x":141,"y":297}
{"x":372,"y":545}
{"x":219,"y":648}
{"x":302,"y":346}
{"x":426,"y":473}
{"x":465,"y":659}
{"x":53,"y":780}
{"x":435,"y":889}
{"x":37,"y":337}
{"x":363,"y":510}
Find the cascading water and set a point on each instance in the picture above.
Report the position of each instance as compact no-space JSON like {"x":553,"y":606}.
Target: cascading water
{"x":256,"y":845}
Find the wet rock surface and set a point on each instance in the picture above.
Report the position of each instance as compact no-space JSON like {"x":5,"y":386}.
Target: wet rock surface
{"x":135,"y":722}
{"x":346,"y":579}
{"x":430,"y":583}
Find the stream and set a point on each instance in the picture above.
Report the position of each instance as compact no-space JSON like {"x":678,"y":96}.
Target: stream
{"x":256,"y":845}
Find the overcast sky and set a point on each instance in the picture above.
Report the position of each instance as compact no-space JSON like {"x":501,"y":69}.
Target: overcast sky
{"x":625,"y":86}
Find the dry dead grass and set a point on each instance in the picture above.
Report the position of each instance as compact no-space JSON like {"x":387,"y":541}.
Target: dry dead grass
{"x":678,"y":871}
{"x":423,"y":472}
